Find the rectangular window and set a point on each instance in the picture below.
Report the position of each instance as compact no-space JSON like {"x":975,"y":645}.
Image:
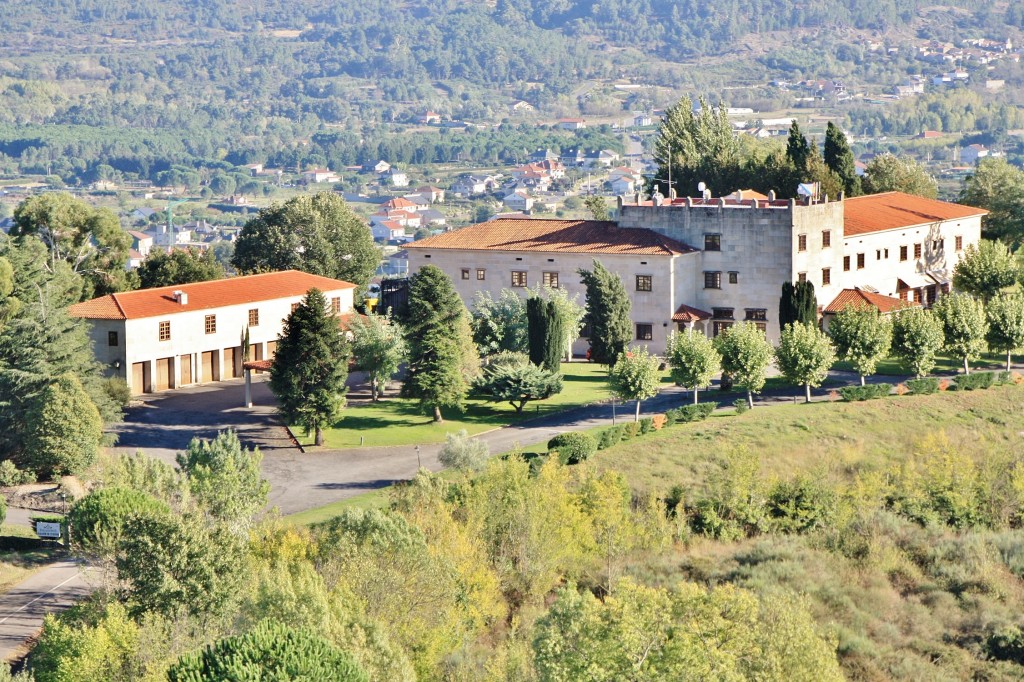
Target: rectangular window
{"x":885,"y":254}
{"x":846,"y":263}
{"x":719,"y":327}
{"x":917,"y":250}
{"x":254,"y":317}
{"x":465,"y":273}
{"x":959,"y":243}
{"x":551,"y":279}
{"x":801,"y":242}
{"x":757,"y":314}
{"x":903,"y":252}
{"x":481,"y":274}
{"x":712,"y":242}
{"x":826,"y":238}
{"x":112,"y":338}
{"x":644,"y":332}
{"x":164,"y":331}
{"x":762,"y":327}
{"x":860,"y":261}
{"x":518,"y":278}
{"x":336,"y":305}
{"x":826,"y":276}
{"x":801,"y":277}
{"x":938,"y":245}
{"x":878,"y":254}
{"x":210,"y":324}
{"x":723,"y":313}
{"x":712,"y":280}
{"x":734,"y":277}
{"x":643,"y":283}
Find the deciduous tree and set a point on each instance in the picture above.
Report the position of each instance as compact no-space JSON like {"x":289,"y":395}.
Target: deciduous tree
{"x":998,"y":186}
{"x":316,"y":233}
{"x":500,"y":325}
{"x":225,"y":478}
{"x":90,"y":240}
{"x":964,"y":326}
{"x":608,"y":308}
{"x":442,"y":357}
{"x":804,"y":355}
{"x":180,"y":266}
{"x":378,"y":348}
{"x":462,"y":452}
{"x":310,"y":367}
{"x":985,"y":269}
{"x":699,"y":146}
{"x":694,"y":360}
{"x":635,"y":376}
{"x":890,"y":173}
{"x":746,"y":355}
{"x":862,"y":336}
{"x":1006,"y":324}
{"x":917,"y":336}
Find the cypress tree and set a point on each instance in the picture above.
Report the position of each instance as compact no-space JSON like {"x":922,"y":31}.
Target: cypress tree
{"x":554,"y":346}
{"x":798,"y":304}
{"x":787,"y":305}
{"x":608,"y":309}
{"x":311,"y":365}
{"x":839,"y":158}
{"x":537,"y":329}
{"x":442,"y":355}
{"x":797,"y":148}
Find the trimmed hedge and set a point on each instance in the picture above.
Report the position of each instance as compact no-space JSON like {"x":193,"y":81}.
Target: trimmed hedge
{"x":573,"y":447}
{"x":690,"y":413}
{"x":976,"y":381}
{"x":869,"y":392}
{"x":923,"y":386}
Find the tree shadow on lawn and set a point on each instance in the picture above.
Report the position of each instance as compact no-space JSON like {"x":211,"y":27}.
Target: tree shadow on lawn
{"x":396,"y":413}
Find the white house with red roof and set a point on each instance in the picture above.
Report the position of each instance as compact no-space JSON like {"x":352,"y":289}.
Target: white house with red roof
{"x":169,"y":337}
{"x":705,"y":264}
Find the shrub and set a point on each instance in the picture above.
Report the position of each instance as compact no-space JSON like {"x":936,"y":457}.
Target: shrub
{"x":923,"y":386}
{"x":944,"y":385}
{"x":1006,"y":644}
{"x":646,"y":425}
{"x":973,"y":382}
{"x":462,"y":452}
{"x":741,"y":405}
{"x":801,"y":504}
{"x":11,"y":475}
{"x":573,"y":447}
{"x":117,"y":390}
{"x":630,"y":430}
{"x":901,"y":389}
{"x":609,"y":437}
{"x":869,"y":392}
{"x":696,"y":413}
{"x":658,"y":421}
{"x":98,"y":519}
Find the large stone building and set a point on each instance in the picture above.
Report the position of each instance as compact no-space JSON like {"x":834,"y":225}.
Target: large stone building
{"x":168,"y":337}
{"x":706,"y":263}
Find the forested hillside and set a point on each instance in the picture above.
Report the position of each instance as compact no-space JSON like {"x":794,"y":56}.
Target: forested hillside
{"x":143,"y":86}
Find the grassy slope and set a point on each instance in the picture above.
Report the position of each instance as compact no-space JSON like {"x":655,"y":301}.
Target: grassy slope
{"x":921,"y":603}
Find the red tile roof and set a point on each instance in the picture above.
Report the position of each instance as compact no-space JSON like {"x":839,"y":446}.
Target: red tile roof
{"x":685,"y":313}
{"x":859,"y":297}
{"x":893,"y":210}
{"x":399,"y":202}
{"x":133,"y":305}
{"x":567,"y":236}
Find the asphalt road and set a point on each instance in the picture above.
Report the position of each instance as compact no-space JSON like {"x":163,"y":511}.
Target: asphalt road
{"x":50,"y":590}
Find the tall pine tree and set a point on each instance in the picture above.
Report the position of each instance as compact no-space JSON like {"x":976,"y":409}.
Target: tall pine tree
{"x":311,"y":366}
{"x":839,"y":158}
{"x":442,"y":355}
{"x":797,"y":148}
{"x":608,"y":308}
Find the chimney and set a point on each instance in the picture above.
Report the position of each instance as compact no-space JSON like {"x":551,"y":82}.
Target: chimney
{"x":181,"y":297}
{"x":771,"y":195}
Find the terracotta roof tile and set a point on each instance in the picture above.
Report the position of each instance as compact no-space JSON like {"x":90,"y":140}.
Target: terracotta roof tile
{"x":685,"y":313}
{"x":133,"y":305}
{"x":893,"y":210}
{"x":567,"y":236}
{"x":859,"y":297}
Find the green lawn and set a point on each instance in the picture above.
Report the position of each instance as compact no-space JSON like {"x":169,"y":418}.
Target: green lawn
{"x":16,"y":566}
{"x":395,"y":421}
